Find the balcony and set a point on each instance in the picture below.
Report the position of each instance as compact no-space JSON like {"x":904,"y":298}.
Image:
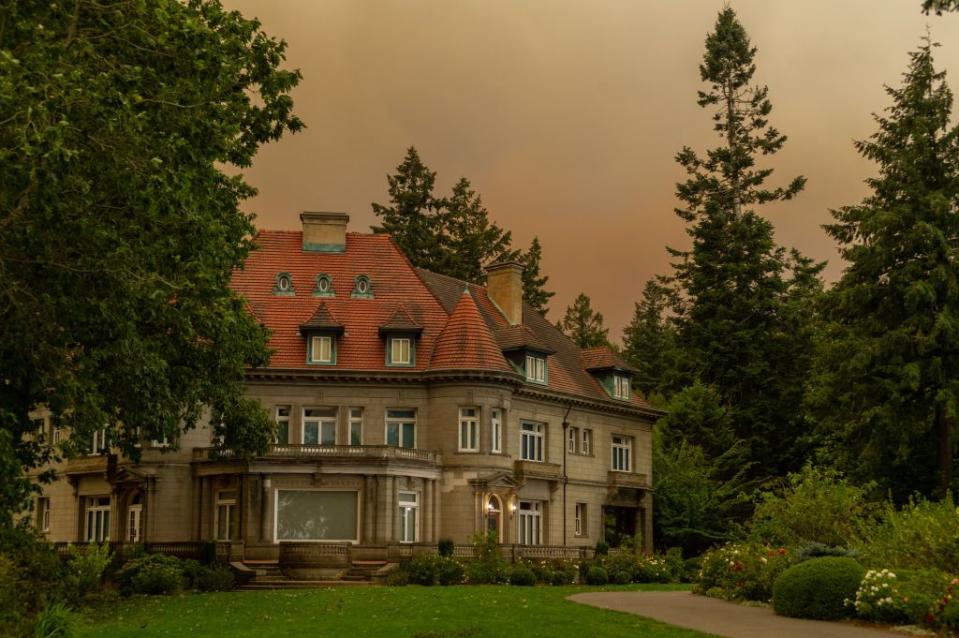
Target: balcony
{"x":337,"y":452}
{"x":630,"y":480}
{"x":523,"y":470}
{"x":91,"y":464}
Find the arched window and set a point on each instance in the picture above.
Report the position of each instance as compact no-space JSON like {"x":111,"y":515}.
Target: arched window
{"x":362,"y":288}
{"x":283,"y":284}
{"x":324,"y":286}
{"x":494,"y":516}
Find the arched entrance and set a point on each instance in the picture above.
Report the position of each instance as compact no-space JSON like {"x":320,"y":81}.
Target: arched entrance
{"x":494,"y":516}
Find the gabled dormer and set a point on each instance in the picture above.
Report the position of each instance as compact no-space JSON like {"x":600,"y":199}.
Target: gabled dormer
{"x":322,"y":332}
{"x":528,"y":354}
{"x":610,"y":370}
{"x":400,"y":334}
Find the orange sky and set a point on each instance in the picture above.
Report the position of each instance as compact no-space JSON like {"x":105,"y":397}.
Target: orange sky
{"x":566,"y":115}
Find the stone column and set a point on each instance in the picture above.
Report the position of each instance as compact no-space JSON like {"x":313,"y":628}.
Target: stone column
{"x":648,"y":522}
{"x":150,"y":509}
{"x":197,"y":508}
{"x":427,"y":509}
{"x":115,"y":526}
{"x":266,"y":510}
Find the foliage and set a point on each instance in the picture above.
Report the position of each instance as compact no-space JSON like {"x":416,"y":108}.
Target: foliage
{"x":31,"y":574}
{"x":398,"y":578}
{"x":85,"y":571}
{"x":449,"y":235}
{"x":445,"y":546}
{"x":939,"y":6}
{"x":879,"y":599}
{"x":521,"y":575}
{"x":818,"y":550}
{"x":921,"y":535}
{"x":212,"y":578}
{"x":649,"y":343}
{"x":422,"y":569}
{"x":449,"y":571}
{"x":534,"y":283}
{"x":887,"y":382}
{"x":54,"y":621}
{"x":742,"y":571}
{"x":812,"y":506}
{"x":153,"y":574}
{"x":596,"y":575}
{"x":120,"y":222}
{"x":489,"y":567}
{"x":821,"y":588}
{"x":602,"y":548}
{"x":584,"y":325}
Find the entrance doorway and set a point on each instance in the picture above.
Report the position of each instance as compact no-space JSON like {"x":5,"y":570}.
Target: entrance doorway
{"x":619,"y":524}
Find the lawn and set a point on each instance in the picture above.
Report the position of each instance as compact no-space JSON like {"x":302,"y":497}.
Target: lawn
{"x":398,"y":612}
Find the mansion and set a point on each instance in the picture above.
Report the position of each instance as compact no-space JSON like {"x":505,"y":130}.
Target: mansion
{"x":410,"y":407}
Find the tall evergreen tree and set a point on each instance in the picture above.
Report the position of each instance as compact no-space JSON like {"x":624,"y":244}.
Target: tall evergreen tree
{"x":732,"y":281}
{"x":534,"y":283}
{"x":471,"y":239}
{"x":939,"y":6}
{"x":584,"y":325}
{"x":889,"y":384}
{"x":414,"y":217}
{"x":649,"y":342}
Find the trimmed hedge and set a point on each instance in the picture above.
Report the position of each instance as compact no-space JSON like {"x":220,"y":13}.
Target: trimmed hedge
{"x":818,"y":588}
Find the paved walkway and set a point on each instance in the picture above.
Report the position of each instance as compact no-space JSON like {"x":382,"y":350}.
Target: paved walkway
{"x":721,"y":618}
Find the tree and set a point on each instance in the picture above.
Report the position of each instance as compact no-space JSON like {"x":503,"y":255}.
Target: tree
{"x":471,"y":240}
{"x":888,"y":379}
{"x":732,"y":284}
{"x":120,"y":226}
{"x":534,"y":284}
{"x":583,"y":325}
{"x":650,"y":342}
{"x":939,"y":6}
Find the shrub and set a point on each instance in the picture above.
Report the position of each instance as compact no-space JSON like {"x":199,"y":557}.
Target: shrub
{"x":675,"y":565}
{"x":620,"y":567}
{"x":602,"y":549}
{"x":922,"y":535}
{"x":820,"y":588}
{"x":422,"y":569}
{"x":596,"y":575}
{"x":398,"y":578}
{"x":445,"y":547}
{"x":54,"y":621}
{"x":691,"y":568}
{"x":84,"y":571}
{"x":879,"y":598}
{"x":208,"y":553}
{"x":31,"y":574}
{"x":486,"y":572}
{"x":921,"y":595}
{"x":818,"y":550}
{"x":565,"y":575}
{"x":152,"y":574}
{"x":655,"y":569}
{"x":522,"y":575}
{"x":215,"y":578}
{"x":449,"y":571}
{"x":742,"y":571}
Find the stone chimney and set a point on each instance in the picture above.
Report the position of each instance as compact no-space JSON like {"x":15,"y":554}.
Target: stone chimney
{"x":504,"y":285}
{"x":324,"y":232}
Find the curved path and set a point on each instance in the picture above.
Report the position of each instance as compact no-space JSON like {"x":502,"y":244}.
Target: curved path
{"x":721,"y":618}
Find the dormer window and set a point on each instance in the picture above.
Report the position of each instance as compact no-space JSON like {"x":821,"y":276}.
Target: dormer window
{"x":535,"y":368}
{"x":362,"y":288}
{"x":324,"y":286}
{"x":621,"y":386}
{"x":322,"y":349}
{"x":283,"y":285}
{"x":400,"y":350}
{"x":400,"y":333}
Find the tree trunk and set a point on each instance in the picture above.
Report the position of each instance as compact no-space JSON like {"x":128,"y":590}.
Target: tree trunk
{"x":944,"y":436}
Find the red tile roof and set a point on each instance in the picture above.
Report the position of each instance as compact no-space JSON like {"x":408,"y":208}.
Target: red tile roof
{"x":322,"y":319}
{"x":466,"y":342}
{"x":604,"y":358}
{"x":401,"y":321}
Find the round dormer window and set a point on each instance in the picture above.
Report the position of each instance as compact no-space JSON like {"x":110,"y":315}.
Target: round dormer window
{"x":284,"y":283}
{"x":323,"y":284}
{"x":362,"y":286}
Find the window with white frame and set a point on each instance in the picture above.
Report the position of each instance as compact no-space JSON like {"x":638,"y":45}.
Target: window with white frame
{"x":98,"y":519}
{"x":319,"y":426}
{"x":100,"y":444}
{"x":408,"y":520}
{"x":572,"y":440}
{"x":317,"y":515}
{"x":401,"y":428}
{"x":135,"y":519}
{"x":621,"y":386}
{"x":622,"y":453}
{"x":535,"y":368}
{"x":225,"y":515}
{"x":356,"y":426}
{"x":531,"y":437}
{"x":580,"y":520}
{"x":530,"y":523}
{"x":469,"y":430}
{"x":321,"y":349}
{"x":401,"y":351}
{"x":282,"y":418}
{"x":55,"y":434}
{"x":496,"y":431}
{"x":43,"y":514}
{"x":586,"y":444}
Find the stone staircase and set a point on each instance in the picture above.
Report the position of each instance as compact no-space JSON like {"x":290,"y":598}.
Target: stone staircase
{"x":363,"y":570}
{"x":258,"y":575}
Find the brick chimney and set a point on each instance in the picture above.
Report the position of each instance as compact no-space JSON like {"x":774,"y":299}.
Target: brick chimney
{"x":324,"y":232}
{"x":504,"y":285}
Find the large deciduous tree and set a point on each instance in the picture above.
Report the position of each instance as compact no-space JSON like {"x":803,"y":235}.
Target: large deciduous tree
{"x":888,"y":387}
{"x":120,"y":224}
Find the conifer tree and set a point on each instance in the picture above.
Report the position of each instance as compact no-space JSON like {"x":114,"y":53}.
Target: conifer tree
{"x":649,"y":342}
{"x":888,"y":387}
{"x":584,"y":325}
{"x":534,"y":284}
{"x":471,"y":240}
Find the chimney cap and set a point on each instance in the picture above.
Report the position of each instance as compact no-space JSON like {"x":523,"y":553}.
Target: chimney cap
{"x":317,"y":216}
{"x":502,"y":265}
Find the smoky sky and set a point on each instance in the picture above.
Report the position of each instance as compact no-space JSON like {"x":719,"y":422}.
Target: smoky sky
{"x":566,"y":116}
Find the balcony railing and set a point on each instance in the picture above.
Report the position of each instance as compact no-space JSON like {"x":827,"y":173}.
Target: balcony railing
{"x":628,"y":479}
{"x":537,"y":470}
{"x":359,"y":452}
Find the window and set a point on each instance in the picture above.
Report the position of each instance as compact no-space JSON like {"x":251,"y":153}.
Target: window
{"x":621,"y":386}
{"x":322,"y":349}
{"x":43,"y":514}
{"x":580,"y":525}
{"x":40,"y":430}
{"x":496,"y":431}
{"x":319,"y":426}
{"x":536,"y":368}
{"x":135,"y":520}
{"x":400,"y":351}
{"x":408,"y":517}
{"x":283,"y":284}
{"x":356,"y":426}
{"x":316,"y":515}
{"x":282,"y":418}
{"x":469,"y":430}
{"x":494,"y":516}
{"x":362,"y":288}
{"x":324,"y":286}
{"x":572,"y":440}
{"x":98,"y":519}
{"x":622,"y":451}
{"x":587,"y":443}
{"x":530,"y":523}
{"x":225,"y":515}
{"x":56,"y":434}
{"x":531,"y":441}
{"x":401,"y":428}
{"x":100,"y":444}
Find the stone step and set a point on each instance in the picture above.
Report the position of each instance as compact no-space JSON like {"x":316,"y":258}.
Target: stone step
{"x":303,"y":584}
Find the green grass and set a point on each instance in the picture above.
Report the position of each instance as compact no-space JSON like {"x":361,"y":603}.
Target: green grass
{"x":398,"y":612}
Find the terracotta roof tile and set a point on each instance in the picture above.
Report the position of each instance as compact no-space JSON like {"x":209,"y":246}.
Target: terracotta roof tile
{"x":322,"y":319}
{"x":466,"y":342}
{"x":401,"y":321}
{"x":604,"y":358}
